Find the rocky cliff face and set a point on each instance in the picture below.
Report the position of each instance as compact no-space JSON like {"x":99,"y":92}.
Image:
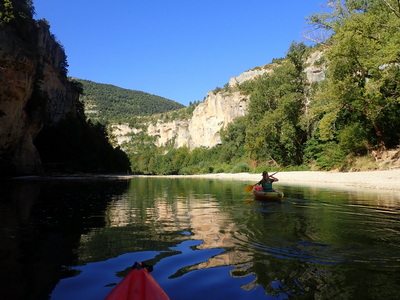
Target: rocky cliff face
{"x":215,"y":113}
{"x":202,"y":129}
{"x":315,"y":69}
{"x":251,"y":74}
{"x":34,"y":92}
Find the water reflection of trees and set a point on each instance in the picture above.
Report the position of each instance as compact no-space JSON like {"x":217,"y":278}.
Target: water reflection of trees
{"x":42,"y":222}
{"x":320,"y":252}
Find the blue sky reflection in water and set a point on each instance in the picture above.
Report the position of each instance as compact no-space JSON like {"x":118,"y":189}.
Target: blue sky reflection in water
{"x":205,"y":238}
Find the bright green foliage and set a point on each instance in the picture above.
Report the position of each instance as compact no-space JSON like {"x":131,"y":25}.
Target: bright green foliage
{"x":171,"y":162}
{"x":233,"y":140}
{"x":276,"y":107}
{"x":324,"y":155}
{"x":362,"y":90}
{"x":240,"y":167}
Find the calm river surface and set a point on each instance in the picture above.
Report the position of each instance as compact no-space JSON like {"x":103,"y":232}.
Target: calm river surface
{"x":207,"y":239}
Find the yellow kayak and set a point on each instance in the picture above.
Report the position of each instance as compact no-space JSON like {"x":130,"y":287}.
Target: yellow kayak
{"x":274,"y":196}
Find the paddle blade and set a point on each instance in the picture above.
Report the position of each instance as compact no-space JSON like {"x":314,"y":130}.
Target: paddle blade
{"x":248,"y":188}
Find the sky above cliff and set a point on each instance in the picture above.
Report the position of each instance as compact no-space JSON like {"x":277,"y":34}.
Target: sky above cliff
{"x":177,"y":49}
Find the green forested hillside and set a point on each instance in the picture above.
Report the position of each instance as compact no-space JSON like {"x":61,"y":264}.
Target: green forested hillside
{"x":112,"y":103}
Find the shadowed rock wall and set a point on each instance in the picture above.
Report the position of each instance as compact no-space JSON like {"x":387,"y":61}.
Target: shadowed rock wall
{"x":34,"y":92}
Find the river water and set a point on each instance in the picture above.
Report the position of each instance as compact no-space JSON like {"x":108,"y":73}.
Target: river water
{"x":207,"y":239}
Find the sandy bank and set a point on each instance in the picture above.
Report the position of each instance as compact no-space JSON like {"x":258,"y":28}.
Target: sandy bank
{"x":388,"y":180}
{"x":384,"y":180}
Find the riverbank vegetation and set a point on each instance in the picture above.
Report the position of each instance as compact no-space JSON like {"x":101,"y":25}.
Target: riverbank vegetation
{"x":339,"y":123}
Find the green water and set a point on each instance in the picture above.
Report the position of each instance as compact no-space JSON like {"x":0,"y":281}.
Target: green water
{"x":207,"y":239}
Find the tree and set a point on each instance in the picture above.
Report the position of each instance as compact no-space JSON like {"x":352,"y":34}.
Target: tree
{"x":362,"y":88}
{"x":17,"y":14}
{"x":233,"y":140}
{"x":276,"y":106}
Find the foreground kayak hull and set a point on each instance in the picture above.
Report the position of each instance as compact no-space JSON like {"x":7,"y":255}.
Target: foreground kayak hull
{"x":276,"y":196}
{"x":138,"y":284}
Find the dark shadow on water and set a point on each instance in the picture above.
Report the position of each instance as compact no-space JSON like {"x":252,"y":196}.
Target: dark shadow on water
{"x":41,"y":223}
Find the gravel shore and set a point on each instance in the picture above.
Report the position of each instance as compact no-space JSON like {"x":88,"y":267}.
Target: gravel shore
{"x":388,"y":179}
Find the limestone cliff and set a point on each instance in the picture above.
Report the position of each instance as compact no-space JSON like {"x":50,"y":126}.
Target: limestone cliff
{"x":315,"y":69}
{"x":34,"y":92}
{"x":251,"y":74}
{"x":203,"y":128}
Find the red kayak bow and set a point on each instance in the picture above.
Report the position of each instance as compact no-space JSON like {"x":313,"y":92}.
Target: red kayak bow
{"x":138,"y":284}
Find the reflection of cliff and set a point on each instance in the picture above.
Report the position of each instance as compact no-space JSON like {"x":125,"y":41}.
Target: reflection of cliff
{"x":203,"y":218}
{"x":216,"y":230}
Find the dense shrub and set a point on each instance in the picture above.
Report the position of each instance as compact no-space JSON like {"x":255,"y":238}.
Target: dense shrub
{"x":240,"y":168}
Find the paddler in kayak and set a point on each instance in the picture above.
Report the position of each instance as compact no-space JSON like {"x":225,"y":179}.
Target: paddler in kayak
{"x":266,"y":182}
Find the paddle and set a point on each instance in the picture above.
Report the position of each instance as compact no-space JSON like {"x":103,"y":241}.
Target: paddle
{"x":249,"y":188}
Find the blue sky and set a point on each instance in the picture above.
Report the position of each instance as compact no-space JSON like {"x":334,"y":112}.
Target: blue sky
{"x":177,"y":49}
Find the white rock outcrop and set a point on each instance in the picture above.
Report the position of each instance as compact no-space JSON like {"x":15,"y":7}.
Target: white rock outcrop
{"x":249,"y":75}
{"x":123,"y":132}
{"x":203,"y":128}
{"x":314,"y":70}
